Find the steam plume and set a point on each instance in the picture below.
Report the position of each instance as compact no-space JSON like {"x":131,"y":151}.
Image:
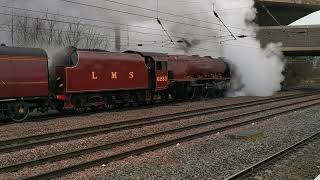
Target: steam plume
{"x":258,"y":70}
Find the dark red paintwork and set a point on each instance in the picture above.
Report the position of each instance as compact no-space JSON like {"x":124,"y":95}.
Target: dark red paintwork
{"x":105,"y":71}
{"x":162,"y":81}
{"x":188,"y":67}
{"x":23,"y":76}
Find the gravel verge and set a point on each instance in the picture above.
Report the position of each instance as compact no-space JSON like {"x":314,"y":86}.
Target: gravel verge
{"x":302,"y":164}
{"x":213,"y":157}
{"x":57,"y":148}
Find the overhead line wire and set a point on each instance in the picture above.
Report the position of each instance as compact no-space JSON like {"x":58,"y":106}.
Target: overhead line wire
{"x":65,"y":32}
{"x":270,"y":14}
{"x":137,"y":40}
{"x":135,"y":44}
{"x":97,"y":26}
{"x":85,"y":24}
{"x":217,"y":15}
{"x":81,"y":33}
{"x":160,"y":23}
{"x":84,"y":33}
{"x":156,"y":10}
{"x":162,"y":12}
{"x":146,"y":16}
{"x":96,"y":20}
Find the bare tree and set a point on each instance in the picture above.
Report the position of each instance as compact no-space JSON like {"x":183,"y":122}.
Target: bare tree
{"x":50,"y":31}
{"x":37,"y":32}
{"x":73,"y":35}
{"x":22,"y":31}
{"x":93,"y":39}
{"x":51,"y":24}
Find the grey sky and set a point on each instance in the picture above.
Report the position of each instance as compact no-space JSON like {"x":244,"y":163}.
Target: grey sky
{"x":311,"y":19}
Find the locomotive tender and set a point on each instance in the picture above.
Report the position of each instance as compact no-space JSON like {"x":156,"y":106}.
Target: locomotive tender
{"x":95,"y":79}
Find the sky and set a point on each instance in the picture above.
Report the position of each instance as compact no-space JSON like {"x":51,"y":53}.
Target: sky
{"x":311,"y":19}
{"x":202,"y":7}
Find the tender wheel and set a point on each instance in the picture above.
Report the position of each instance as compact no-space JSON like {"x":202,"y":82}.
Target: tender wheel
{"x":193,"y":94}
{"x":18,"y":112}
{"x":214,"y":92}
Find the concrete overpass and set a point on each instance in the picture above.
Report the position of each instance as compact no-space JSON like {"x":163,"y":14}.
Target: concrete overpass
{"x":285,"y":11}
{"x":296,"y":40}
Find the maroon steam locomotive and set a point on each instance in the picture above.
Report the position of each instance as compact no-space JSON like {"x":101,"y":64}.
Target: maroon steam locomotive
{"x":82,"y":79}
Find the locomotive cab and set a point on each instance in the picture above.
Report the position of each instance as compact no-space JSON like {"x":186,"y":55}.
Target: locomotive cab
{"x":161,"y":74}
{"x":158,"y":73}
{"x":157,"y":64}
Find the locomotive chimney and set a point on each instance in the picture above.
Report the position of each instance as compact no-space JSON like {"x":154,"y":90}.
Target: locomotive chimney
{"x":117,"y":39}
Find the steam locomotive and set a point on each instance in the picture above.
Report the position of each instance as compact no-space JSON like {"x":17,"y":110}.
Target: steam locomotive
{"x":81,"y":79}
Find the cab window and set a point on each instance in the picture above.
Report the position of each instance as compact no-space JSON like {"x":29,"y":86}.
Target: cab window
{"x":159,"y":66}
{"x":164,"y":65}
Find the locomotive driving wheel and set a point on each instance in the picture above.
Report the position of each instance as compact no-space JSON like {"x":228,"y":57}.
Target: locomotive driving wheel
{"x":205,"y":92}
{"x":18,"y":112}
{"x":189,"y":93}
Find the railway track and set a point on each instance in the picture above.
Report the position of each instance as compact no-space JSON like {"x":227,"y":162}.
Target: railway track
{"x":43,"y":139}
{"x":123,"y":155}
{"x":55,"y":115}
{"x":254,"y":168}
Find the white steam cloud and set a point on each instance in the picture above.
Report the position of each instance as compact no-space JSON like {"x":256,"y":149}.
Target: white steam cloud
{"x":257,"y":70}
